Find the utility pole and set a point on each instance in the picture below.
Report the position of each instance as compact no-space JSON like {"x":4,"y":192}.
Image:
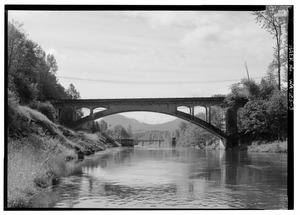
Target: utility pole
{"x":247,"y":71}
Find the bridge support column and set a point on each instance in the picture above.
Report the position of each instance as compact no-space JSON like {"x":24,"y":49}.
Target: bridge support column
{"x":58,"y":112}
{"x":92,"y":112}
{"x":74,"y":114}
{"x":209,"y":114}
{"x":193,"y":111}
{"x":231,"y":127}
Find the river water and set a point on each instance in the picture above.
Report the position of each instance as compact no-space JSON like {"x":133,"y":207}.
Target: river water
{"x":152,"y":177}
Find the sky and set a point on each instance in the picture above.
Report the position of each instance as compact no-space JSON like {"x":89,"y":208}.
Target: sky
{"x":150,"y":54}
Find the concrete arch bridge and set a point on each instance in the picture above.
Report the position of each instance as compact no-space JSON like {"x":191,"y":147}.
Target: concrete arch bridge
{"x":167,"y":106}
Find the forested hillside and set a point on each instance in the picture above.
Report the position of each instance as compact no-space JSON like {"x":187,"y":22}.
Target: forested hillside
{"x":31,"y":76}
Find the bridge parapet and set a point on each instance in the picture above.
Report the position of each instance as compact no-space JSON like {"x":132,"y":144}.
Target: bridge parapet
{"x":94,"y":103}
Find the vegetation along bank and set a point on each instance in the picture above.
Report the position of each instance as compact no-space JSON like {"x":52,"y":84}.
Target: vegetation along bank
{"x":40,"y":149}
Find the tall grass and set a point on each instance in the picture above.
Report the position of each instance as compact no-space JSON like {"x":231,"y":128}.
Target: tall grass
{"x":38,"y":150}
{"x":34,"y":163}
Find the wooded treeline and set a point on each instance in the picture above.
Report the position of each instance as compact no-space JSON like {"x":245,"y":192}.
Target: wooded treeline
{"x":31,"y":78}
{"x":265,"y":114}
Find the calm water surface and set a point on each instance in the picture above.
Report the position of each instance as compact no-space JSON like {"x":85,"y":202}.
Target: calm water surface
{"x":173,"y":178}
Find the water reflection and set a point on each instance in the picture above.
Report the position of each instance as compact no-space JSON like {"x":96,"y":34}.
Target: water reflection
{"x":176,"y":178}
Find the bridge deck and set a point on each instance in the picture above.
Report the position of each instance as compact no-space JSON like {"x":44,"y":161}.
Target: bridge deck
{"x":180,"y":100}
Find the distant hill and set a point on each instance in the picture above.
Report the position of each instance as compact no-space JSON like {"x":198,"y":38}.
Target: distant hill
{"x":137,"y":126}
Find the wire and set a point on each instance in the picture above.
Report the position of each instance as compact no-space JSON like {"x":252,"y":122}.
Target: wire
{"x":150,"y":82}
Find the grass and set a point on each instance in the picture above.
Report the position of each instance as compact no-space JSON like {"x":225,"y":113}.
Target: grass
{"x":273,"y":147}
{"x":263,"y":146}
{"x":39,"y":155}
{"x":34,"y":163}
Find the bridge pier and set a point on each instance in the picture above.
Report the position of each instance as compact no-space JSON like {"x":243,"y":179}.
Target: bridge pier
{"x":192,"y":111}
{"x":74,"y":114}
{"x":58,"y":113}
{"x":207,"y":114}
{"x":231,"y":127}
{"x":91,"y":112}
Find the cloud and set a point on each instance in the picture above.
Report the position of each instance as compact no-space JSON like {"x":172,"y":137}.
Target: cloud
{"x":202,"y":35}
{"x":165,"y":18}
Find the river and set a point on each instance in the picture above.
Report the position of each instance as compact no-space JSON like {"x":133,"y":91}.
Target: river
{"x":152,"y":177}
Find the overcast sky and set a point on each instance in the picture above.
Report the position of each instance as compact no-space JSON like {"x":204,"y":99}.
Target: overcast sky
{"x":132,"y":54}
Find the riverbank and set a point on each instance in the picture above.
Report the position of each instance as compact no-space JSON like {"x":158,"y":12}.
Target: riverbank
{"x":255,"y":146}
{"x":39,"y":152}
{"x":263,"y":146}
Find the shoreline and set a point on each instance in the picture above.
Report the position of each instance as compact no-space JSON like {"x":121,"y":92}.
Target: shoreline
{"x":40,"y":154}
{"x":256,"y":146}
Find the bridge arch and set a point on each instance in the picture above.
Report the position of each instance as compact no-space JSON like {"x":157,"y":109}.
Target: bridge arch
{"x":199,"y":122}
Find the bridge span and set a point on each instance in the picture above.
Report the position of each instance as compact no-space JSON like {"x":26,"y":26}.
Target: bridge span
{"x":167,"y":106}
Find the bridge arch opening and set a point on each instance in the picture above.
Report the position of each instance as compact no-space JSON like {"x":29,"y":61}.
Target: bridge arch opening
{"x":84,"y":111}
{"x":99,"y":109}
{"x":199,"y":112}
{"x":184,"y":109}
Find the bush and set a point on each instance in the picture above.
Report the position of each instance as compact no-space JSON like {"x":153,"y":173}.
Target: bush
{"x":45,"y":108}
{"x":16,"y":122}
{"x":26,"y":89}
{"x":12,"y":106}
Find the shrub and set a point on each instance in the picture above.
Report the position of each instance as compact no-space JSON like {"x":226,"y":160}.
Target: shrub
{"x":45,"y":108}
{"x":12,"y":110}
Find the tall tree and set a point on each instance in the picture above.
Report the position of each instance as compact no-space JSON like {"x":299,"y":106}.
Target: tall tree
{"x":274,"y":20}
{"x":103,"y":126}
{"x":72,"y":92}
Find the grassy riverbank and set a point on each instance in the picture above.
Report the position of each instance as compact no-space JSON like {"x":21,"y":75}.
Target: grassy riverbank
{"x":264,"y":146}
{"x":39,"y":151}
{"x":254,"y":146}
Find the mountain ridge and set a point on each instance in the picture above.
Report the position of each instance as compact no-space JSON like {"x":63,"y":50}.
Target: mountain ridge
{"x":138,"y":126}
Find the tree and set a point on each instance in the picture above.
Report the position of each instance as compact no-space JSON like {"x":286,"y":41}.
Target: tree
{"x":103,"y":126}
{"x":183,"y":126}
{"x":254,"y":119}
{"x":51,"y":63}
{"x":119,"y":132}
{"x":95,"y":127}
{"x":129,"y":131}
{"x":16,"y":39}
{"x":72,"y":92}
{"x":276,"y":25}
{"x":277,"y":115}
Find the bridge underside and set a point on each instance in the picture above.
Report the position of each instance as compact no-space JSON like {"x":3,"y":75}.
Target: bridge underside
{"x":165,"y":109}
